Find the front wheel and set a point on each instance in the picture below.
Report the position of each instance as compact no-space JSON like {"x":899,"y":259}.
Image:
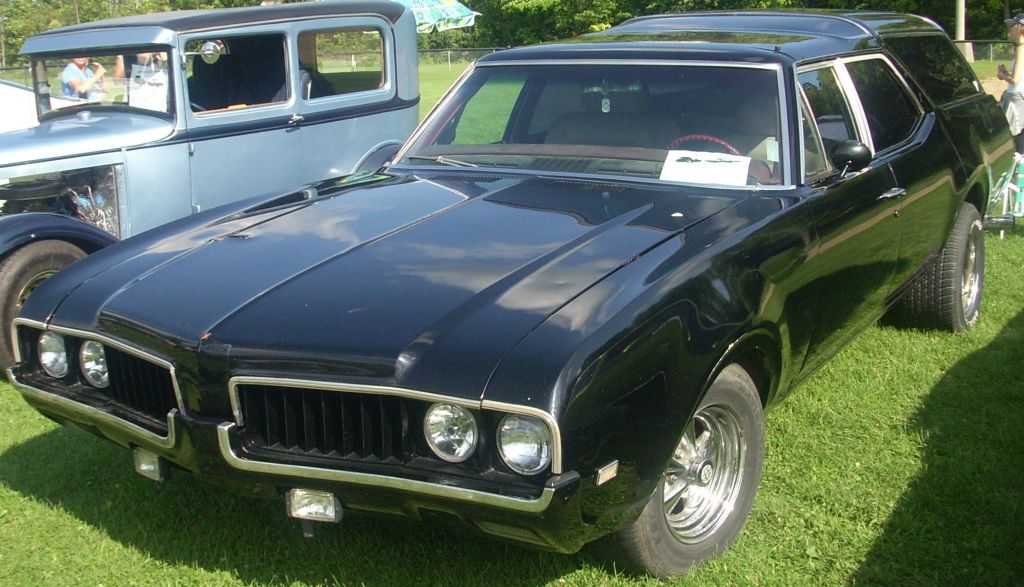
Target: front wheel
{"x":21,"y":272}
{"x":708,"y":486}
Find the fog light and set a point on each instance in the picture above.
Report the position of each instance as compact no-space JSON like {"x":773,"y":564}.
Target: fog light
{"x":450,"y":431}
{"x":524,"y":443}
{"x":316,"y":506}
{"x":150,"y":465}
{"x":53,"y":357}
{"x":93,"y":360}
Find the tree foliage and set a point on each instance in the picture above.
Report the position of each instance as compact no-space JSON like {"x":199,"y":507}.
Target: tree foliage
{"x":504,"y":22}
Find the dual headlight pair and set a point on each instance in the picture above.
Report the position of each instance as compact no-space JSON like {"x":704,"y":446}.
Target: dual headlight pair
{"x":92,"y":359}
{"x":524,"y":442}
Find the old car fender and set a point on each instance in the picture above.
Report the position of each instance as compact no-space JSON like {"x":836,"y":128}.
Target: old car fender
{"x":19,"y":230}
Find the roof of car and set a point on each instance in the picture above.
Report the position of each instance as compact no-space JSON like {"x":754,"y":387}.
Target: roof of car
{"x":183,"y":21}
{"x":766,"y":36}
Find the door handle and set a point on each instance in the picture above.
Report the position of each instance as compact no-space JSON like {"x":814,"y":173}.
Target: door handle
{"x":891,"y":194}
{"x":296,"y":119}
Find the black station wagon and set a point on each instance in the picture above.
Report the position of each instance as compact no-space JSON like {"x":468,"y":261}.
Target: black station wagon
{"x":559,"y":313}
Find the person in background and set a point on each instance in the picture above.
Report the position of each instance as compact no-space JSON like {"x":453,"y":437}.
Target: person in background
{"x":78,"y":80}
{"x":1012,"y":99}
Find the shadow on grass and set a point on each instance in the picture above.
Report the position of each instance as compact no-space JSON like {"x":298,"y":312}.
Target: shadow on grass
{"x":961,"y":522}
{"x":190,"y":523}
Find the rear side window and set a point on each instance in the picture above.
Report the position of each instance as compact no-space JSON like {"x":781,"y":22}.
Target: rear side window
{"x":936,"y":66}
{"x":891,"y":112}
{"x":346,"y":61}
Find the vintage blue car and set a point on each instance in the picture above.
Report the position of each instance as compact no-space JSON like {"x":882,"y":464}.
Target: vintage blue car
{"x":559,"y":314}
{"x":151,"y":118}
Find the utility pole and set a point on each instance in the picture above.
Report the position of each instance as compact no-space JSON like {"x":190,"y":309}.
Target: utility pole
{"x":961,"y":30}
{"x":3,"y":42}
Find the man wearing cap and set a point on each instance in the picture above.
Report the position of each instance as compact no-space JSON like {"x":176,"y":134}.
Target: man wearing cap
{"x":1012,"y":99}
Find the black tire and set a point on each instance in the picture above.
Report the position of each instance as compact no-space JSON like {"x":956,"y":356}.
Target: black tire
{"x":941,"y":297}
{"x":667,"y":542}
{"x":21,"y":272}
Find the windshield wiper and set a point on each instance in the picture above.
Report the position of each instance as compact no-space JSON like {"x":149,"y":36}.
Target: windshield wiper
{"x":442,"y":160}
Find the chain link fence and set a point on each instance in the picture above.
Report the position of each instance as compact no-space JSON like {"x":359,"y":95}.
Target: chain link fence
{"x":986,"y":50}
{"x":454,"y":59}
{"x":19,"y":75}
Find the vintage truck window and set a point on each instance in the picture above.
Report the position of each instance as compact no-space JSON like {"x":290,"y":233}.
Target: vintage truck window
{"x":134,"y":78}
{"x":338,"y":62}
{"x":247,"y":71}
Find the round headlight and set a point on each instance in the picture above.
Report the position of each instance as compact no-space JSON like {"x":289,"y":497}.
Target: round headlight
{"x":524,"y":443}
{"x":451,"y":432}
{"x":93,"y":360}
{"x":52,"y":355}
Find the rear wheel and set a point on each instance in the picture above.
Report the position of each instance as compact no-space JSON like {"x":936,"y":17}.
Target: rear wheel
{"x":21,"y":272}
{"x":948,"y":294}
{"x":708,"y":486}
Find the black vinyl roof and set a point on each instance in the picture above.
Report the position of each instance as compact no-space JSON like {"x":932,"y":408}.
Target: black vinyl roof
{"x":756,"y":36}
{"x":195,"y":20}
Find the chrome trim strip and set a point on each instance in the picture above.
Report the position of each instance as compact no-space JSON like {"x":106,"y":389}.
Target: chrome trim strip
{"x":234,"y":382}
{"x":556,"y":436}
{"x":117,"y":344}
{"x":667,"y":60}
{"x":14,"y":334}
{"x":422,"y":487}
{"x":96,"y":415}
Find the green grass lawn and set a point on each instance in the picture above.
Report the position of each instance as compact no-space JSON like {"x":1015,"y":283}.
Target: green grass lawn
{"x":435,"y":79}
{"x":899,"y":463}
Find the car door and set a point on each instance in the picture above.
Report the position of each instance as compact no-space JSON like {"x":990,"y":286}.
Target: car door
{"x":919,"y":152}
{"x":856,"y":216}
{"x":241,"y":132}
{"x":348,"y":92}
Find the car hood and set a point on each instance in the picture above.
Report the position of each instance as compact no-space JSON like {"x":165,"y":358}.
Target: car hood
{"x":86,"y":132}
{"x":391,"y":282}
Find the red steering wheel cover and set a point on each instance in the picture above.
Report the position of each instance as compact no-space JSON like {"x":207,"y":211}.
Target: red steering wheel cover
{"x":699,"y":137}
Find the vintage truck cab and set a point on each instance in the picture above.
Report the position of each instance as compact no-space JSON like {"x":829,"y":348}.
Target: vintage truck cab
{"x":151,"y":118}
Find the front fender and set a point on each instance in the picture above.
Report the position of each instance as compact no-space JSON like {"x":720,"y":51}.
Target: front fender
{"x":18,"y":230}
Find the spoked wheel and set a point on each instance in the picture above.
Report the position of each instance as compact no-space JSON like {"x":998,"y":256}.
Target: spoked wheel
{"x":703,"y":480}
{"x":708,"y":485}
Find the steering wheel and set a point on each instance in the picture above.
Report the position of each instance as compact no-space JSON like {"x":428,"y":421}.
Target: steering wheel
{"x":707,"y":139}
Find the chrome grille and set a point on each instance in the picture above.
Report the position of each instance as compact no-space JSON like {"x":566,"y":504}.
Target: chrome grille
{"x":350,"y":426}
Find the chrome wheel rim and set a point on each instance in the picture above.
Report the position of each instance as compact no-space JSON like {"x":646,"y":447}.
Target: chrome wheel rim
{"x":702,"y":482}
{"x":971,"y":279}
{"x":30,"y":286}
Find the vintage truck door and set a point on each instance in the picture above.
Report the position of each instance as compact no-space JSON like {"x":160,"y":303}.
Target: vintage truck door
{"x":855,"y":215}
{"x":357,"y":90}
{"x":240,"y":114}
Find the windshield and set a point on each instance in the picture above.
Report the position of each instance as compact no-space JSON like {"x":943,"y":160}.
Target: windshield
{"x":707,"y":124}
{"x":137,"y":79}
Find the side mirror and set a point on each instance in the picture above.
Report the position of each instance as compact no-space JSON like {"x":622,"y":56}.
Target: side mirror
{"x":210,"y":52}
{"x":851,"y":156}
